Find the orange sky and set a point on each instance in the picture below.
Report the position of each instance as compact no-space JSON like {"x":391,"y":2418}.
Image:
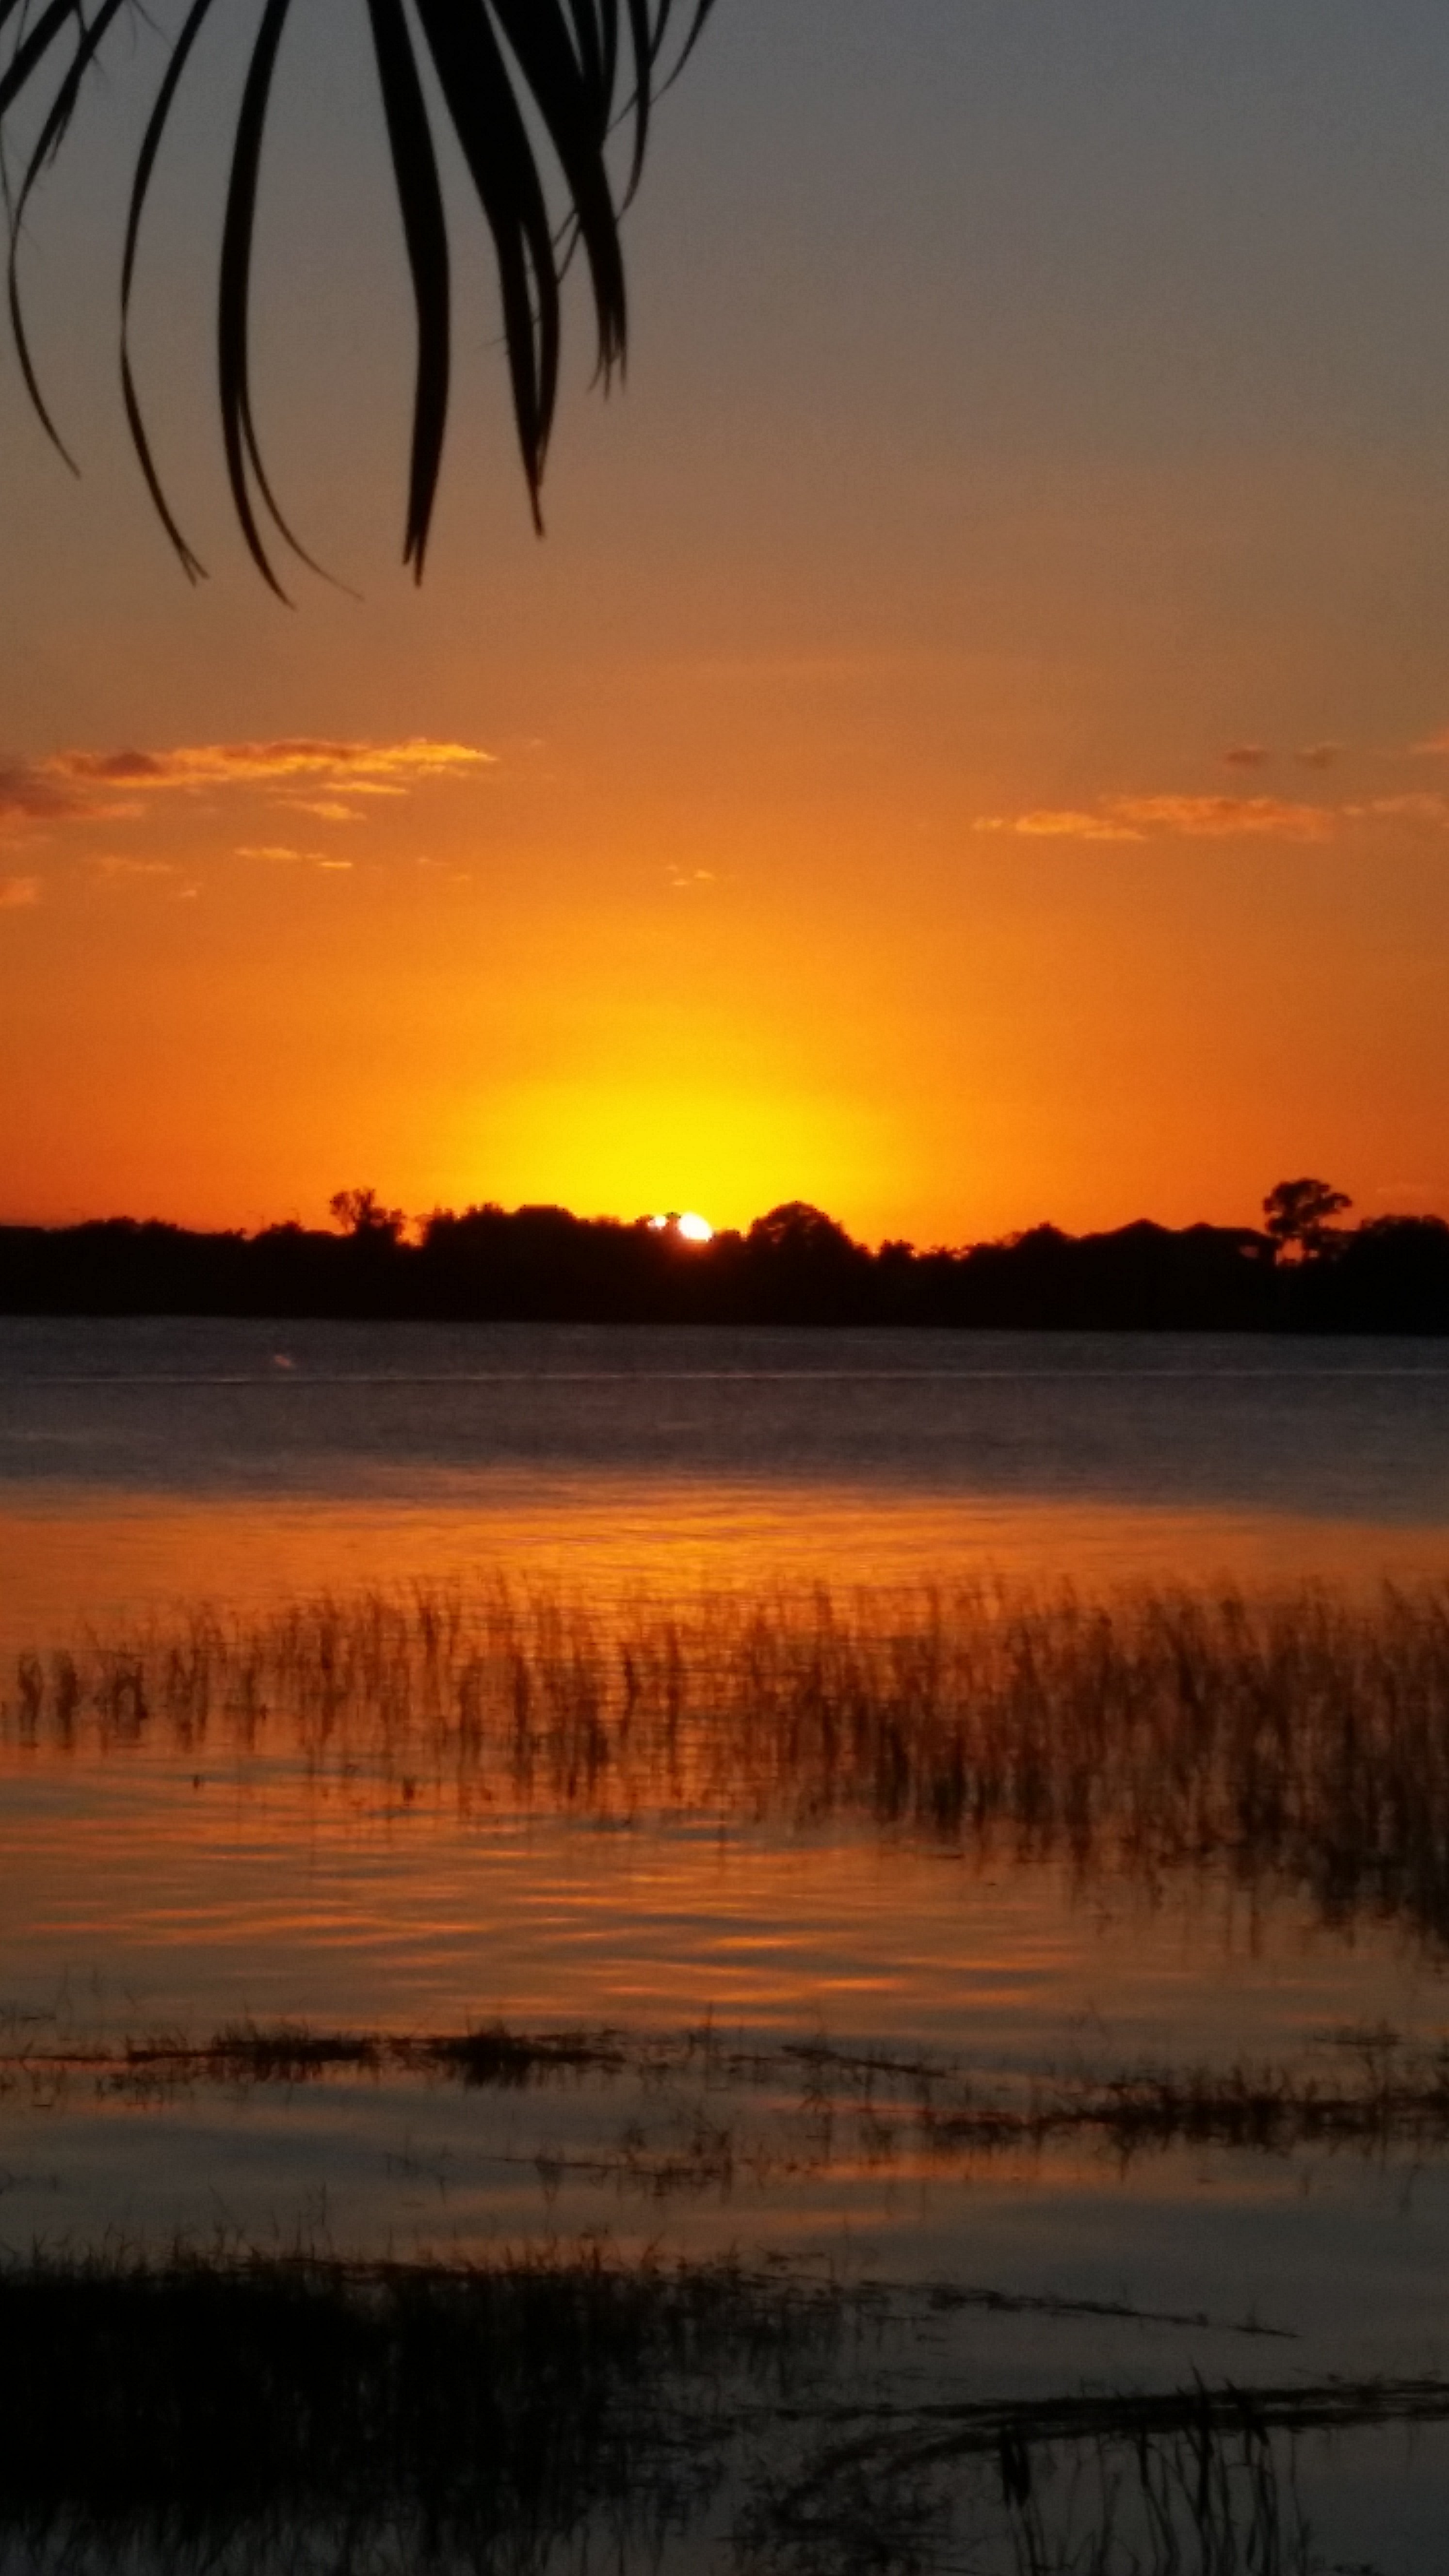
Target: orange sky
{"x":963,"y":753}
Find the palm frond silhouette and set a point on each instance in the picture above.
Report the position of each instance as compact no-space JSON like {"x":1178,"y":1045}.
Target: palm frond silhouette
{"x":542,"y":97}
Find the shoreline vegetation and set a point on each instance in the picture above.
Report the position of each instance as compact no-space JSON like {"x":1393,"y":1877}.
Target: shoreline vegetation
{"x":1297,"y":1741}
{"x":793,"y":1266}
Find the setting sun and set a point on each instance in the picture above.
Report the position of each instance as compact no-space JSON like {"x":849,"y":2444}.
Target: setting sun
{"x":693,"y":1229}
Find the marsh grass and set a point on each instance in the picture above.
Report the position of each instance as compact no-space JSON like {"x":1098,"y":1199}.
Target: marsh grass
{"x":434,"y":2414}
{"x":1303,"y":1738}
{"x":231,"y":2411}
{"x":1367,"y":2093}
{"x":1194,"y":2482}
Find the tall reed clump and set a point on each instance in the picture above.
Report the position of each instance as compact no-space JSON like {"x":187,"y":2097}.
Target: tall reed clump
{"x":1304,"y":1736}
{"x":271,"y":2413}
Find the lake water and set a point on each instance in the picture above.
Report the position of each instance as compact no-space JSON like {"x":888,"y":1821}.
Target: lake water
{"x":808,"y":1994}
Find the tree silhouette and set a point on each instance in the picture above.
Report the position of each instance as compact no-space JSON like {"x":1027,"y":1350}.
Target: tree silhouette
{"x":533,"y":93}
{"x":361,"y":1214}
{"x":1298,"y":1216}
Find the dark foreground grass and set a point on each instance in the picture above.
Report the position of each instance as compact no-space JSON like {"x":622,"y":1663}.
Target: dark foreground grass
{"x":268,"y":2415}
{"x":1304,"y":1738}
{"x":483,"y":2416}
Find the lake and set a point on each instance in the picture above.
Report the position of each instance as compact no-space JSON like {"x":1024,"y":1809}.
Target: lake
{"x":960,"y":1815}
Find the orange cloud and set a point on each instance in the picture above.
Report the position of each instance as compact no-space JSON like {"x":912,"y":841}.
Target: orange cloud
{"x":1218,"y":818}
{"x":1047,"y":823}
{"x":1246,"y":755}
{"x":1317,"y":755}
{"x":84,"y":786}
{"x":17,"y":893}
{"x":29,"y":795}
{"x":1190,"y":818}
{"x":1424,"y":807}
{"x":370,"y":768}
{"x":1214,"y":818}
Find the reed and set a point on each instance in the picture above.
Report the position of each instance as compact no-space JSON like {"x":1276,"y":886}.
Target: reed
{"x":1303,"y":1738}
{"x":1368,"y":2093}
{"x":227,"y":2410}
{"x":279,"y":2411}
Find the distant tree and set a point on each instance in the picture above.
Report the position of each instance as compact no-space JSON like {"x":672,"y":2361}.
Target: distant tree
{"x":525,"y":96}
{"x":796,"y":1227}
{"x":361,"y":1214}
{"x":1298,"y":1217}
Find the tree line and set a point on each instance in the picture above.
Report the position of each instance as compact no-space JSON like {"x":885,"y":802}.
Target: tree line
{"x":1303,"y":1270}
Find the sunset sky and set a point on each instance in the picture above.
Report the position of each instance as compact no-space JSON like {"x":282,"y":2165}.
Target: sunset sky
{"x":973,"y":745}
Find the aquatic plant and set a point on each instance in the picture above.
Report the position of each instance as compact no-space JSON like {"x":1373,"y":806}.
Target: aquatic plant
{"x":824,"y":2106}
{"x":221,"y":2409}
{"x":1302,"y":1739}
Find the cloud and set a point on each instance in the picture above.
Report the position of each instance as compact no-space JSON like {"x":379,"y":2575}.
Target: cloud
{"x":114,"y":868}
{"x":17,"y":894}
{"x":91,"y":786}
{"x":372,"y":768}
{"x":1215,"y":818}
{"x":29,"y":795}
{"x":1047,"y":823}
{"x":1422,"y":807}
{"x":1318,"y":755}
{"x":1183,"y":818}
{"x":276,"y":853}
{"x":1246,"y":755}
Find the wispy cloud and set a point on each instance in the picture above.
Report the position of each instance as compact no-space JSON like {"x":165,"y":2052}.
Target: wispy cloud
{"x":370,"y":768}
{"x":1317,"y":755}
{"x":1247,"y":755}
{"x":1215,"y":818}
{"x":1423,"y":807}
{"x":1059,"y":823}
{"x":1183,"y":818}
{"x":17,"y":894}
{"x":91,"y":786}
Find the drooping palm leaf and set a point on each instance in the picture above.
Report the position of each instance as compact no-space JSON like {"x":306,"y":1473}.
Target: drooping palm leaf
{"x":533,"y":92}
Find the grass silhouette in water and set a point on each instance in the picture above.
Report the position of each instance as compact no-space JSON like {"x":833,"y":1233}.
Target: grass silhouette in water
{"x":312,"y":2414}
{"x":401,"y":2414}
{"x":1302,"y":1739}
{"x":689,"y":2095}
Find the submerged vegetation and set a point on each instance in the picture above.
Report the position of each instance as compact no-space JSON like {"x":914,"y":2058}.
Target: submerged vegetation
{"x":1301,"y":1741}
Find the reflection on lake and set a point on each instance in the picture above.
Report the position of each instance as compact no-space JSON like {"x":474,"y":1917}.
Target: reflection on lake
{"x":443,"y":1821}
{"x":148,"y":1462}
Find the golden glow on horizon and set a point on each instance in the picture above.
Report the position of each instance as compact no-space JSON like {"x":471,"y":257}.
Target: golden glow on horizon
{"x":1006,"y":782}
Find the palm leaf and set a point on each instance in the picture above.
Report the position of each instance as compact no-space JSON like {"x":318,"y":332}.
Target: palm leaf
{"x":533,"y":93}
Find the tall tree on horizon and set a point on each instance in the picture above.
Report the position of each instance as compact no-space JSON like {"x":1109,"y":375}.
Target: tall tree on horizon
{"x":534,"y":93}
